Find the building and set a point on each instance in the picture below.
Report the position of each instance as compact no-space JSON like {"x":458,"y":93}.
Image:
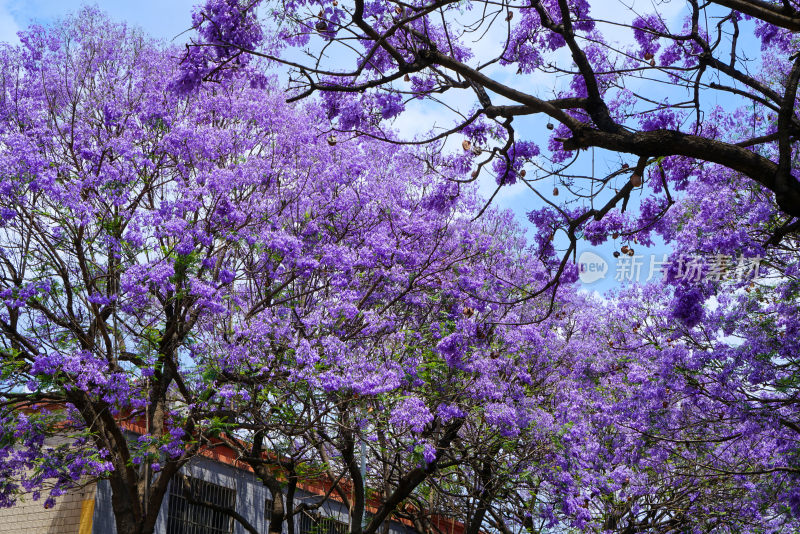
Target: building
{"x":218,"y":477}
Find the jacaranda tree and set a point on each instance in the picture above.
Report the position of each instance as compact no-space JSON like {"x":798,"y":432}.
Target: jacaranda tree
{"x":188,"y":260}
{"x":183,"y":270}
{"x":668,"y":95}
{"x":377,"y":314}
{"x":690,"y":109}
{"x":686,"y":419}
{"x":118,"y":216}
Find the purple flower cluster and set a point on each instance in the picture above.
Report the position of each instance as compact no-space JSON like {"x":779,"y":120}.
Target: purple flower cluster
{"x":508,"y":166}
{"x":687,"y":306}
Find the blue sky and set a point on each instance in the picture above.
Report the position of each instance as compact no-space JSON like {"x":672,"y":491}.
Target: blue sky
{"x":164,"y":19}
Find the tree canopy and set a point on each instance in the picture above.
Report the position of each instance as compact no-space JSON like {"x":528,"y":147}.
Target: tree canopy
{"x":673,"y":94}
{"x":190,"y":261}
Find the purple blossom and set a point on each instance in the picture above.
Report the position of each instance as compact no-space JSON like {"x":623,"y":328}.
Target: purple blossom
{"x":391,"y":104}
{"x":411,"y":413}
{"x":508,"y":166}
{"x":687,"y":306}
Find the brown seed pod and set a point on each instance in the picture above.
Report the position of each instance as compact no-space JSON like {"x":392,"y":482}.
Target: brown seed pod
{"x":321,"y":25}
{"x":474,"y":174}
{"x":555,"y":191}
{"x":476,"y":150}
{"x":522,"y":173}
{"x":616,"y":253}
{"x":630,"y":252}
{"x":406,"y":78}
{"x":624,"y":249}
{"x":398,"y":10}
{"x":652,"y":62}
{"x":615,"y":235}
{"x":636,"y":179}
{"x":550,"y":126}
{"x":332,"y":139}
{"x":465,"y":144}
{"x":510,"y":15}
{"x":648,"y":56}
{"x":625,"y":165}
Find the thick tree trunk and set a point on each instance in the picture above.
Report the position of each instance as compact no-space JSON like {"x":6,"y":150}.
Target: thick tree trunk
{"x":126,"y":520}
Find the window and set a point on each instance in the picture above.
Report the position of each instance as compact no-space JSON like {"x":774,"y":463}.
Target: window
{"x":329,"y":525}
{"x":186,"y":517}
{"x":316,"y":524}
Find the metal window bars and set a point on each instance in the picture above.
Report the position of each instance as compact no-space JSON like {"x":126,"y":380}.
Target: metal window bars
{"x":314,"y":523}
{"x":187,"y":513}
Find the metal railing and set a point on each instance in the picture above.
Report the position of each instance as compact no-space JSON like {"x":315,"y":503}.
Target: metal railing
{"x":188,"y":513}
